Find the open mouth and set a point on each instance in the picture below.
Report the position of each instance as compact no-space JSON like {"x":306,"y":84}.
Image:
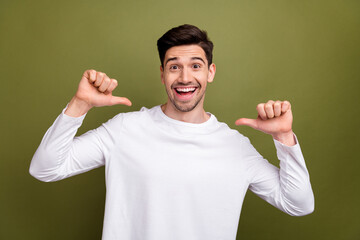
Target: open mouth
{"x":185,"y":91}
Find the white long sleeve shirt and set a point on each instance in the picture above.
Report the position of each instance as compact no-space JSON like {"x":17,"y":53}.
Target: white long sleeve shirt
{"x":167,"y":179}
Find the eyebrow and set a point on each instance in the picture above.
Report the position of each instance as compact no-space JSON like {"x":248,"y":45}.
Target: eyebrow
{"x":193,"y":58}
{"x":198,"y":58}
{"x":171,"y":59}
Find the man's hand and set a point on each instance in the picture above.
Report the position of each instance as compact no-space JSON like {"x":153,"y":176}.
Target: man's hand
{"x":95,"y":90}
{"x":274,"y":118}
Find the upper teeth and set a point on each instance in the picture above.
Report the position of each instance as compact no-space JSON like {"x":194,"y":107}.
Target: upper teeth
{"x":185,"y":89}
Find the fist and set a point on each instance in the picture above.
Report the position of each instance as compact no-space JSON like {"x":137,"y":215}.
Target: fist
{"x":274,"y":118}
{"x":95,"y":89}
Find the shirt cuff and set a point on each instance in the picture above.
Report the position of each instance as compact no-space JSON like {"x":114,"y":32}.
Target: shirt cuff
{"x":284,"y":147}
{"x":284,"y":151}
{"x":69,"y":118}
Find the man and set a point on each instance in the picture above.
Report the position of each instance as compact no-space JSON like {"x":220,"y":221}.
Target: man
{"x":174,"y":171}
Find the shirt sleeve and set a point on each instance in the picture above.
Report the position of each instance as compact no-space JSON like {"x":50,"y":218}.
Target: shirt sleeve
{"x":288,"y":188}
{"x":61,"y":154}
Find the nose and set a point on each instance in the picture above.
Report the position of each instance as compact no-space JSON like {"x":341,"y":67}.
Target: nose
{"x":185,"y":75}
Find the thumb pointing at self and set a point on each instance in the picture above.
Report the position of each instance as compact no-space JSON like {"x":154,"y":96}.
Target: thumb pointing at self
{"x":120,"y":100}
{"x":247,"y":122}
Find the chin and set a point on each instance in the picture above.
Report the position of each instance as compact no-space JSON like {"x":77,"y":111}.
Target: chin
{"x":185,"y":108}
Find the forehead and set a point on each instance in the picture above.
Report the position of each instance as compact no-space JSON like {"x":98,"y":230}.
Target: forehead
{"x":185,"y":51}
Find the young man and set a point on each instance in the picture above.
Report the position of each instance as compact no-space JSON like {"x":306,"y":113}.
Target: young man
{"x":174,"y":171}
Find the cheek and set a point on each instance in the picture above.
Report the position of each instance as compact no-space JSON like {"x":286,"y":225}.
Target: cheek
{"x":201,"y":76}
{"x":167,"y":82}
{"x":169,"y":78}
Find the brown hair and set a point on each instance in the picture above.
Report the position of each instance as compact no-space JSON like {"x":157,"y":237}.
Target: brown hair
{"x":185,"y":35}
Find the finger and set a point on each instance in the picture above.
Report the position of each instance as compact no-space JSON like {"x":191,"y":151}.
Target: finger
{"x":120,"y":100}
{"x":261,"y":111}
{"x":105,"y":84}
{"x":277,"y":108}
{"x":90,"y":75}
{"x":285,"y":106}
{"x":99,"y":78}
{"x":112,"y":86}
{"x":269,"y":109}
{"x":247,"y":122}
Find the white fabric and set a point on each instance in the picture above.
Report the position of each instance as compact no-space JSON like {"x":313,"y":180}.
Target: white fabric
{"x":167,"y":179}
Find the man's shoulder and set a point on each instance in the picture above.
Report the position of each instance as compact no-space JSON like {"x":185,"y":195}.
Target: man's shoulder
{"x":228,"y":132}
{"x":138,"y":115}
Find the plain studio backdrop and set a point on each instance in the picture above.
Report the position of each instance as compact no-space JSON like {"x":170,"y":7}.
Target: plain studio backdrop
{"x":307,"y":52}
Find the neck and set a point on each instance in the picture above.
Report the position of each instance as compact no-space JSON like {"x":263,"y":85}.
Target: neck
{"x":197,"y":115}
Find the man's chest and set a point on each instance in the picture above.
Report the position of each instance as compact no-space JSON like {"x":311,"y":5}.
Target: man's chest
{"x":183,"y":161}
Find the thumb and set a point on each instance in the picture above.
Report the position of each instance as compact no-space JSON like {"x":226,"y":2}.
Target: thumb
{"x":247,"y":122}
{"x":120,"y":100}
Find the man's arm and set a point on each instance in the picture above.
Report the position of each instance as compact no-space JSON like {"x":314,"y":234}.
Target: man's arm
{"x":61,"y":154}
{"x":287,"y":188}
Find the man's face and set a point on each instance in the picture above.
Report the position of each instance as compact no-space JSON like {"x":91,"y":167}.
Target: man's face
{"x":185,"y":76}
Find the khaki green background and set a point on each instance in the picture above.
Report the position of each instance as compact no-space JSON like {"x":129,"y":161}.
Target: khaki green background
{"x":307,"y":52}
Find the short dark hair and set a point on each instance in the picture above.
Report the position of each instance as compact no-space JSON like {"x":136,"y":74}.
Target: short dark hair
{"x":185,"y":35}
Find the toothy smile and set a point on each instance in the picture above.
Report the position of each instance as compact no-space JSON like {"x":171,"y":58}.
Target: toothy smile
{"x":185,"y":89}
{"x":185,"y":93}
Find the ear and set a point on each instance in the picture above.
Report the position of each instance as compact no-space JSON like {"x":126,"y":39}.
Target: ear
{"x":162,"y":74}
{"x":212,"y":70}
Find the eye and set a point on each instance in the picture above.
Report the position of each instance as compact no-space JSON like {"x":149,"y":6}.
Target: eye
{"x":196,"y":66}
{"x":174,"y":67}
